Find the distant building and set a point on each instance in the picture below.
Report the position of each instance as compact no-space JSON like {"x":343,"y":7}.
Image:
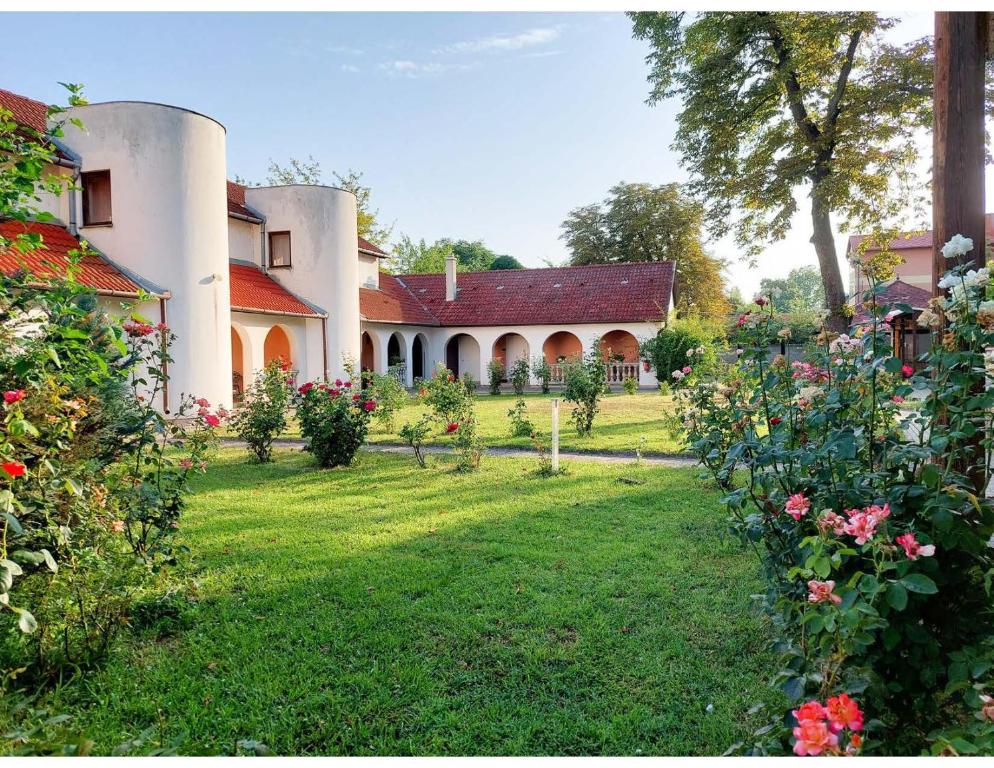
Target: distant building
{"x":245,"y":275}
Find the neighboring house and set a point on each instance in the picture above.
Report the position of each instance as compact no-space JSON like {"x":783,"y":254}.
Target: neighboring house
{"x":246,"y":275}
{"x":912,"y":285}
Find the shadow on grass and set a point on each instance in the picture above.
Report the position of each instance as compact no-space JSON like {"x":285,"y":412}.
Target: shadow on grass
{"x":568,"y":615}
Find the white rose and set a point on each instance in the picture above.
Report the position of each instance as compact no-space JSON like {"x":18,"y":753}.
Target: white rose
{"x":957,"y":246}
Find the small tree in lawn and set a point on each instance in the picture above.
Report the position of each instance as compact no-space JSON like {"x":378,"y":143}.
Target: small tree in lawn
{"x":543,"y":372}
{"x":263,"y":415}
{"x":519,"y":374}
{"x":584,"y":386}
{"x":495,"y":369}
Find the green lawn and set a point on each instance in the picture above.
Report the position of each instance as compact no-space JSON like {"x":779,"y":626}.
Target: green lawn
{"x":391,"y":610}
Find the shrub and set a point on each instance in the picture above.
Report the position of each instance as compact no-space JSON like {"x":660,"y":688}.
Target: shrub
{"x":520,"y":425}
{"x":415,"y":434}
{"x":585,"y":379}
{"x":453,"y":406}
{"x":263,"y":414}
{"x":668,"y":350}
{"x":468,"y":383}
{"x":390,"y":395}
{"x":630,"y":385}
{"x":334,"y":420}
{"x":495,"y":369}
{"x":519,"y":375}
{"x":871,"y":522}
{"x":543,"y":372}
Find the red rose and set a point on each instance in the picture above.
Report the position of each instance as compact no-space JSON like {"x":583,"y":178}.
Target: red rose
{"x":333,"y":393}
{"x":356,"y":397}
{"x":369,"y":405}
{"x":453,"y":426}
{"x":907,"y":370}
{"x":338,"y":382}
{"x":775,"y":420}
{"x":284,"y":364}
{"x":212,"y":421}
{"x":347,"y":385}
{"x":14,"y":468}
{"x":13,"y":395}
{"x":305,"y":388}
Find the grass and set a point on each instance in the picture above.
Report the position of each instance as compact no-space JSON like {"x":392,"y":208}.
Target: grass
{"x":383,"y":609}
{"x":619,"y":426}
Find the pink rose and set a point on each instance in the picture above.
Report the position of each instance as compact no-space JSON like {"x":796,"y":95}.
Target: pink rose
{"x":797,"y":506}
{"x":913,"y":549}
{"x":822,"y":591}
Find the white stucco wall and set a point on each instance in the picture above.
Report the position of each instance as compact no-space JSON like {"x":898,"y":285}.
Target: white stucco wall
{"x":485,"y":336}
{"x":369,"y":271}
{"x":170,"y":224}
{"x":324,"y":265}
{"x":245,"y":241}
{"x":57,"y":205}
{"x":252,"y":328}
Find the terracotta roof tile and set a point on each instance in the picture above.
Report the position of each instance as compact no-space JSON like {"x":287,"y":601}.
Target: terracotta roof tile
{"x":27,"y":112}
{"x":393,"y":303}
{"x":95,"y":272}
{"x":252,"y":290}
{"x":610,"y":293}
{"x":898,"y":292}
{"x":236,"y":202}
{"x":368,"y":247}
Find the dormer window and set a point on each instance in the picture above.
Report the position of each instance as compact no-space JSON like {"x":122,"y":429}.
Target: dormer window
{"x":96,"y":198}
{"x":279,"y":249}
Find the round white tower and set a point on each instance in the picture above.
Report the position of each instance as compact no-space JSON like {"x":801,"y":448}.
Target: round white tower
{"x":324,"y":259}
{"x":169,"y":224}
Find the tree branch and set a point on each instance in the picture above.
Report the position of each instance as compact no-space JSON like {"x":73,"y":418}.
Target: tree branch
{"x":835,"y":104}
{"x":792,"y":86}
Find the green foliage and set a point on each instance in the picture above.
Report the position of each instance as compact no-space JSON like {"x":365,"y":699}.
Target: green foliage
{"x":801,"y":292}
{"x":263,"y":414}
{"x":415,"y":434}
{"x":631,"y":385}
{"x":543,"y":372}
{"x":686,"y":342}
{"x":774,"y":101}
{"x":506,"y":262}
{"x":871,"y":521}
{"x":390,"y":395}
{"x":519,"y":375}
{"x":496,"y":372}
{"x":518,"y":415}
{"x":334,"y":420}
{"x":640,"y":222}
{"x":585,"y":380}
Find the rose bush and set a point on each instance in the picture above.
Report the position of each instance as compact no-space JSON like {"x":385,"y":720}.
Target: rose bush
{"x":871,"y":521}
{"x":334,"y":419}
{"x":262,"y":416}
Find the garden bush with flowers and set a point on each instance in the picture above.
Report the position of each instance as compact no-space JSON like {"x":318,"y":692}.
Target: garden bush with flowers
{"x":871,"y":522}
{"x":262,"y":416}
{"x":334,"y":419}
{"x":453,"y":409}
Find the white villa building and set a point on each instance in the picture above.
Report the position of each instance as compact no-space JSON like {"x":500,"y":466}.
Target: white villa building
{"x":245,"y":275}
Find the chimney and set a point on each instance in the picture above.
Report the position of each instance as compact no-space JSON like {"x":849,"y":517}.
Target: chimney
{"x":450,"y":277}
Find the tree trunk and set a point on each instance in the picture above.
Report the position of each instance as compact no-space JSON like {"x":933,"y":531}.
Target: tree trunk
{"x":828,"y":262}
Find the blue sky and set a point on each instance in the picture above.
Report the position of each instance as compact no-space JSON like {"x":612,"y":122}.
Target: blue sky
{"x":473,"y":125}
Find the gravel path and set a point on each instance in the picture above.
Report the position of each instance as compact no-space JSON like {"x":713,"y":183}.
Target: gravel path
{"x":649,"y":459}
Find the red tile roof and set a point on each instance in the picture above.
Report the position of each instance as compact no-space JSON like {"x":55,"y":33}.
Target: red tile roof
{"x":609,"y":293}
{"x":922,"y":240}
{"x":95,"y":272}
{"x":368,"y":247}
{"x":236,"y":202}
{"x":252,"y":290}
{"x":898,"y":292}
{"x":27,"y":112}
{"x":393,"y":303}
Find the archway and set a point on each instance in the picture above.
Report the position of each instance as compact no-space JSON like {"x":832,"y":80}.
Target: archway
{"x":510,"y":348}
{"x":367,"y":354}
{"x":237,"y":365}
{"x":419,"y":356}
{"x":561,"y":346}
{"x":397,"y":354}
{"x":277,"y":346}
{"x":620,"y":347}
{"x":462,"y":355}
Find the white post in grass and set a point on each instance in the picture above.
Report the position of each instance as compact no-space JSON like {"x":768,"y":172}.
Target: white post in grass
{"x":555,"y":434}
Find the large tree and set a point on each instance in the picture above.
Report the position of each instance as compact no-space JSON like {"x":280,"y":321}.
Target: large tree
{"x":309,"y":171}
{"x":642,"y":222}
{"x":800,"y":291}
{"x":777,"y":103}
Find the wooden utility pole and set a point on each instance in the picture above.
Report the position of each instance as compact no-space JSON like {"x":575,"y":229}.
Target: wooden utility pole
{"x":958,"y":135}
